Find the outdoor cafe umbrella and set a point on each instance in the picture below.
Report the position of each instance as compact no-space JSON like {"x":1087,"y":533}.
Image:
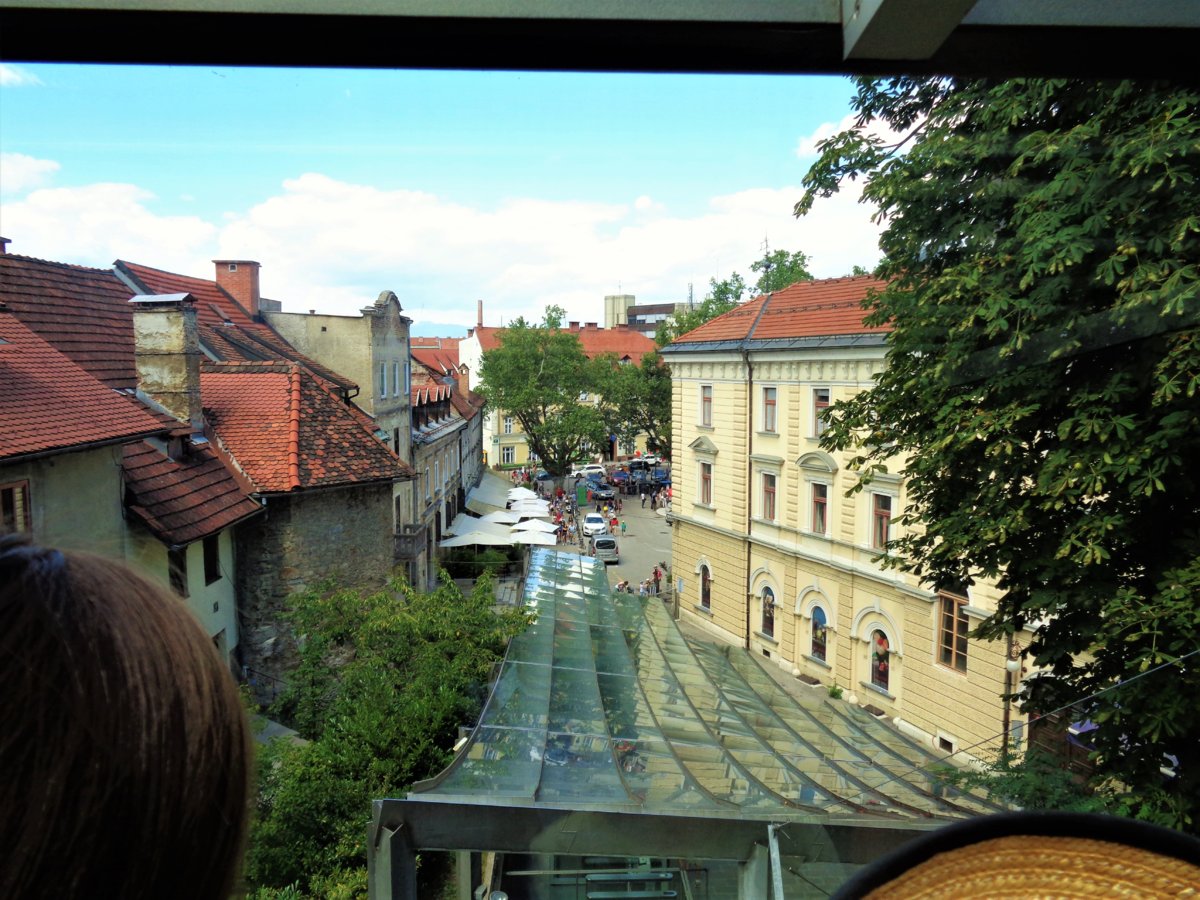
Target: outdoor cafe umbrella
{"x":535,"y":525}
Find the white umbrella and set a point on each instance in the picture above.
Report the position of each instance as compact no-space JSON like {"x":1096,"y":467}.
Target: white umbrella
{"x":534,"y":537}
{"x":520,"y":493}
{"x":476,"y":537}
{"x":535,"y":525}
{"x":462,"y":524}
{"x":503,"y":517}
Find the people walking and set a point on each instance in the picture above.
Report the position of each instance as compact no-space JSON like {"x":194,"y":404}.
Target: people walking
{"x":643,"y":499}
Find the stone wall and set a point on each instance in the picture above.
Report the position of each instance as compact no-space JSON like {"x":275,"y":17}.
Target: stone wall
{"x":304,"y":538}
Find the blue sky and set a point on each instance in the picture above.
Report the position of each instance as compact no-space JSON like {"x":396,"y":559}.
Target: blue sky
{"x":520,"y":189}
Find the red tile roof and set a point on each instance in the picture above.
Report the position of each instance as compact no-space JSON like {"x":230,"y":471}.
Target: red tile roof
{"x":48,"y":403}
{"x":287,"y":431}
{"x":84,"y":313}
{"x":832,"y":306}
{"x":226,"y":328}
{"x":622,"y":342}
{"x":183,"y":500}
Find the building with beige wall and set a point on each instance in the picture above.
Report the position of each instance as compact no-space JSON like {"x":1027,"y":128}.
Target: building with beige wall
{"x":773,"y":551}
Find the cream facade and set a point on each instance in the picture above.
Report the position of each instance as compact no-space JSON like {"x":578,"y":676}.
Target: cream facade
{"x":774,"y":553}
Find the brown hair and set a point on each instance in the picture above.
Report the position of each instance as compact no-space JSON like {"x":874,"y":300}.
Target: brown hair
{"x":124,"y":749}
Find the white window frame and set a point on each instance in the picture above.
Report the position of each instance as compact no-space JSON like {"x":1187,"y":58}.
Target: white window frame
{"x":396,"y":378}
{"x":507,"y":426}
{"x":812,"y":507}
{"x":508,"y":455}
{"x":704,"y":483}
{"x":872,"y":516}
{"x":770,"y":410}
{"x":820,"y":409}
{"x":383,"y":381}
{"x":769,"y":496}
{"x":706,"y":405}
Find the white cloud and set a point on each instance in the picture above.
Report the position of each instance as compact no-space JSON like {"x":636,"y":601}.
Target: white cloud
{"x":806,"y":147}
{"x":332,"y":245}
{"x":96,"y":224}
{"x":20,"y":173}
{"x":13,"y":76}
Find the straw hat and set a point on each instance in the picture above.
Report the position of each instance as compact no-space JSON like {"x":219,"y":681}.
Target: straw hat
{"x":1059,"y":855}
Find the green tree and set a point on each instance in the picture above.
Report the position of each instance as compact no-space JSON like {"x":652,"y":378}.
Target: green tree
{"x":638,"y":400}
{"x":383,"y":684}
{"x":780,"y":269}
{"x":1041,"y":250}
{"x":538,"y":375}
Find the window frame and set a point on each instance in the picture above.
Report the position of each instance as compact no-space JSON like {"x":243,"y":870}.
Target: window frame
{"x":507,"y":425}
{"x":705,"y":587}
{"x":822,"y":399}
{"x":952,"y":630}
{"x":704,"y":487}
{"x":177,"y":570}
{"x":880,"y":660}
{"x":819,"y":633}
{"x":508,"y":455}
{"x":212,"y":559}
{"x":706,"y":405}
{"x":819,"y":507}
{"x":769,"y":482}
{"x":767,"y":613}
{"x":383,"y":381}
{"x":770,"y":410}
{"x":880,"y":517}
{"x":396,"y":377}
{"x":16,"y":517}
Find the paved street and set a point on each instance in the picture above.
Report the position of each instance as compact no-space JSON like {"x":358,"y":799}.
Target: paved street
{"x":646,"y":543}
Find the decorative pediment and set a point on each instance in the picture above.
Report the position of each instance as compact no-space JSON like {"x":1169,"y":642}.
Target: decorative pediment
{"x":818,"y":461}
{"x":703,"y":445}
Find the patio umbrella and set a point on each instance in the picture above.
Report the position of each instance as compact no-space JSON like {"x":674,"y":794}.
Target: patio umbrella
{"x":502,"y":516}
{"x":535,"y":525}
{"x":520,"y":493}
{"x":534,"y":537}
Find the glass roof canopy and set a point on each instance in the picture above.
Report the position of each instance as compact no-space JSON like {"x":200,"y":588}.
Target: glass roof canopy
{"x":603,"y":707}
{"x":603,"y":701}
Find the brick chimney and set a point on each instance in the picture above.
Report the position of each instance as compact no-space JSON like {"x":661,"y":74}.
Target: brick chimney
{"x":4,"y":242}
{"x":166,"y":350}
{"x":239,"y":278}
{"x":573,"y":326}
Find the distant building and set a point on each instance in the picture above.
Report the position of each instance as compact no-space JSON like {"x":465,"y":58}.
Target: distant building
{"x":622,"y":309}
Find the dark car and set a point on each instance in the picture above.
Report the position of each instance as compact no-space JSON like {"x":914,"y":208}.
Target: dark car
{"x":618,"y":477}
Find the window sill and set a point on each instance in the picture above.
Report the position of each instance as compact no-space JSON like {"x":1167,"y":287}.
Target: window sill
{"x":876,"y":689}
{"x":818,"y":662}
{"x":706,"y":610}
{"x":761,"y":521}
{"x":705,"y":428}
{"x":821,"y":535}
{"x":707,"y":506}
{"x":762,"y":635}
{"x":953,"y":670}
{"x":769,"y":434}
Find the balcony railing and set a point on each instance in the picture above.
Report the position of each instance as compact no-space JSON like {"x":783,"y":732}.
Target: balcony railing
{"x":410,"y":541}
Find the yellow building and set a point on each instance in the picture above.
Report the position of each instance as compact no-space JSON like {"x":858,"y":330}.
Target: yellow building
{"x":772,"y":551}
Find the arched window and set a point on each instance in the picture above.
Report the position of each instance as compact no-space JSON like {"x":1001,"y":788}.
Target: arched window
{"x":705,"y":588}
{"x":880,"y":651}
{"x":768,"y":612}
{"x":819,"y":626}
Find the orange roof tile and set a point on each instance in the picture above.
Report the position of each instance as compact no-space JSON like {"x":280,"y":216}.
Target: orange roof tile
{"x":624,"y":343}
{"x":288,"y":431}
{"x":48,"y":403}
{"x":84,"y":313}
{"x":825,"y":308}
{"x":183,"y":500}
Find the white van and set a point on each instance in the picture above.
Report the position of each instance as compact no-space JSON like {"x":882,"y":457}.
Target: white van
{"x":604,"y":547}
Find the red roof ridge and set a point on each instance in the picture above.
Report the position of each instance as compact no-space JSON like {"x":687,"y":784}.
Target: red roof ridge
{"x":61,"y":265}
{"x":294,"y":430}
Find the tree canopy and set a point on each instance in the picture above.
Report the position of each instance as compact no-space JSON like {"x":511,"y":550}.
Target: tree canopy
{"x":1041,"y":386}
{"x":639,"y":402}
{"x":539,"y":374}
{"x":384,"y":682}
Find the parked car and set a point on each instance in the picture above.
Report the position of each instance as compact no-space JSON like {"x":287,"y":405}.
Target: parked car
{"x":543,"y":475}
{"x":594,"y":524}
{"x":618,"y":477}
{"x":594,"y":469}
{"x":651,"y":460}
{"x":605,"y":547}
{"x":603,"y":492}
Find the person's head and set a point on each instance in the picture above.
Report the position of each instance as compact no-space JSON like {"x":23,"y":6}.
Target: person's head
{"x":124,"y":749}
